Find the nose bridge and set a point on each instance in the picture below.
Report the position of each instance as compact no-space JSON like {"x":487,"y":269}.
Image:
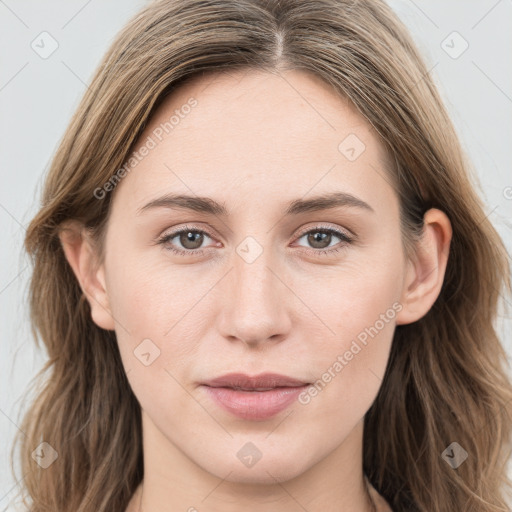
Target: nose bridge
{"x":254,"y":310}
{"x":253,"y":277}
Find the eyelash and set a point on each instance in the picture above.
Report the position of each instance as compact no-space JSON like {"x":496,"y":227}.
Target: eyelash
{"x":346,"y":240}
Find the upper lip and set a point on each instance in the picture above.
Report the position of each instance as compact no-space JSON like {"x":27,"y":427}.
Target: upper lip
{"x":262,"y":381}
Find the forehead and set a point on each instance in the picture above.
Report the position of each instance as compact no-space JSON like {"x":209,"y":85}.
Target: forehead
{"x":257,"y":133}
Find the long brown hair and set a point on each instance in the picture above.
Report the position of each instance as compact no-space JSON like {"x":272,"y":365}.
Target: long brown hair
{"x":446,"y":380}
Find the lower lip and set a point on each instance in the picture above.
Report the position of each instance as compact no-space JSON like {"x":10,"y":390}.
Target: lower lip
{"x":255,"y":405}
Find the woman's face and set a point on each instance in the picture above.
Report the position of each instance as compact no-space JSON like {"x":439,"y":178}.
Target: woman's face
{"x":265,"y":278}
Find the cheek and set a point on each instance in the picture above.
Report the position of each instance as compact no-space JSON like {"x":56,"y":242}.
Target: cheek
{"x":357,"y":304}
{"x":155,"y":335}
{"x":353,"y":296}
{"x":153,"y":296}
{"x":159,"y":320}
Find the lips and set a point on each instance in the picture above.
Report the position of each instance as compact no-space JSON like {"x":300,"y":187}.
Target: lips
{"x":254,"y":398}
{"x":262,"y":382}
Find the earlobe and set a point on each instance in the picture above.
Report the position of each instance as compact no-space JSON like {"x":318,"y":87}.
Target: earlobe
{"x":425,"y":275}
{"x":81,"y":255}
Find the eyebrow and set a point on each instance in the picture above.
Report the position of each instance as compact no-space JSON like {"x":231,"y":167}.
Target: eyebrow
{"x":296,"y":207}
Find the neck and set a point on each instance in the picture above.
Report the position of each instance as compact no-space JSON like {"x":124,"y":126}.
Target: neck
{"x":172,"y":481}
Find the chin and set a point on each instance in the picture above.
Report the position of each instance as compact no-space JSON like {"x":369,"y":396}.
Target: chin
{"x":265,"y":475}
{"x":274,"y":465}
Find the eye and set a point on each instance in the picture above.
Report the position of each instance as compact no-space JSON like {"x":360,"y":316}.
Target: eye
{"x":321,"y":238}
{"x":190,"y":240}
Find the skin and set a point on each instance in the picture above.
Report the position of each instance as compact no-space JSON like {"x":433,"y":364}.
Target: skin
{"x":254,"y":142}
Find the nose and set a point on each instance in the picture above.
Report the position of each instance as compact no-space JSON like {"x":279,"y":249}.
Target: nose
{"x":255,"y":302}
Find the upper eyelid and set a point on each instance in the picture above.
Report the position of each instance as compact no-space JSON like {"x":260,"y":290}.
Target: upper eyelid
{"x":301,"y":232}
{"x":174,"y":232}
{"x":321,"y":227}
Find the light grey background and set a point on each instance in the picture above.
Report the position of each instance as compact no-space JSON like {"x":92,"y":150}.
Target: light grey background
{"x":38,"y":96}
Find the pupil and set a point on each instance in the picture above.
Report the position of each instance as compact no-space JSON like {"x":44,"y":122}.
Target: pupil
{"x":191,"y":238}
{"x":319,"y":237}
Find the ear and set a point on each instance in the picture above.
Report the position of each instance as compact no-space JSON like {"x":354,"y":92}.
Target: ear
{"x":81,"y":255}
{"x":425,"y":275}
